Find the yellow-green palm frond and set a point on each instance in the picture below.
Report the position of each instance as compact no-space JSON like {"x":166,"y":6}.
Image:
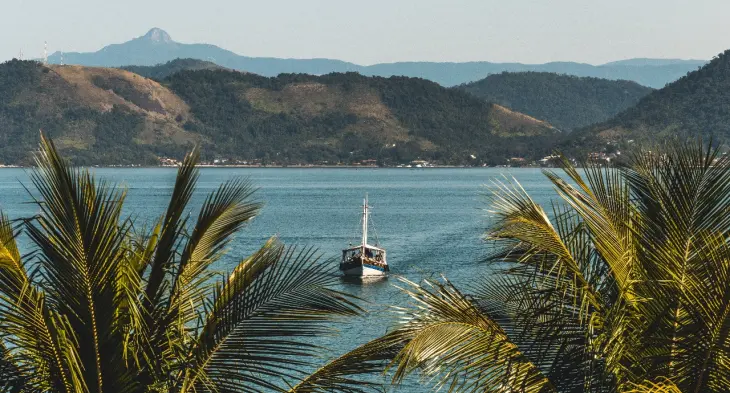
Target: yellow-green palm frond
{"x":533,"y":240}
{"x":256,"y":333}
{"x":13,"y":375}
{"x":447,"y":337}
{"x":664,"y":385}
{"x":355,"y":371}
{"x":683,"y":196}
{"x":79,"y":233}
{"x":38,"y":356}
{"x":168,"y":236}
{"x":698,"y":344}
{"x":602,"y":203}
{"x":9,"y":255}
{"x":223,"y":213}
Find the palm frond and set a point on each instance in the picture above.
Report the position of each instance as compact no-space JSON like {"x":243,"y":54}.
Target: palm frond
{"x":603,"y":205}
{"x":40,"y":358}
{"x":80,"y":235}
{"x":12,"y":376}
{"x":168,"y":234}
{"x":259,"y":317}
{"x":663,"y":386}
{"x":224,"y":212}
{"x":683,"y":197}
{"x":355,"y":371}
{"x":531,"y":238}
{"x":155,"y":259}
{"x":446,"y":337}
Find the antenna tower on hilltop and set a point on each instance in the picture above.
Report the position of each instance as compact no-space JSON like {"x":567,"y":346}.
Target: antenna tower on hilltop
{"x":20,"y":55}
{"x":45,"y":52}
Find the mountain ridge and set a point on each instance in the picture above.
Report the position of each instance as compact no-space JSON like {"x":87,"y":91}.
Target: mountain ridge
{"x":565,"y":101}
{"x":696,"y":105}
{"x":110,"y":116}
{"x":142,"y":51}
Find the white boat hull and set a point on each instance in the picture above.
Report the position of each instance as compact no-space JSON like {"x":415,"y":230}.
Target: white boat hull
{"x":364,"y":271}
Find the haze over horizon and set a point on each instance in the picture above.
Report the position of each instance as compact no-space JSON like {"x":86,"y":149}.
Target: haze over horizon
{"x":380,"y":32}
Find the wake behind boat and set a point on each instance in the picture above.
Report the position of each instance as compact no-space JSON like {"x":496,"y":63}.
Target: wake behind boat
{"x":364,"y":260}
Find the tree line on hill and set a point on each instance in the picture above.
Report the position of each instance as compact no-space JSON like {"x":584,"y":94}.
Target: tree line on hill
{"x":354,"y":117}
{"x":249,"y":117}
{"x":456,"y":123}
{"x":565,"y":101}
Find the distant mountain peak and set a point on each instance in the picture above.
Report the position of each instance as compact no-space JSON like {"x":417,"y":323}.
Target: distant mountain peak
{"x":157,"y":35}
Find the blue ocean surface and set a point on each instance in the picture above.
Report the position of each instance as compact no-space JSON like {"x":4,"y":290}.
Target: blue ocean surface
{"x":431,"y":221}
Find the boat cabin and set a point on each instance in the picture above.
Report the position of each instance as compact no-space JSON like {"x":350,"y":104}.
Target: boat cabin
{"x":371,"y":253}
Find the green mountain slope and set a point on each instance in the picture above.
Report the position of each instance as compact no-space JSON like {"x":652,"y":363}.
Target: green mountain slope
{"x":565,"y":101}
{"x":96,"y":115}
{"x":697,"y":104}
{"x":338,"y":117}
{"x":113,"y":116}
{"x":162,"y":71}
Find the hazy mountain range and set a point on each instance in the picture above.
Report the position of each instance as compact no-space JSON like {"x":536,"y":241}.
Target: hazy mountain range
{"x":158,"y":47}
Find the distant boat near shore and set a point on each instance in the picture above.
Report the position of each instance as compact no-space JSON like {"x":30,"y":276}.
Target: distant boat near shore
{"x":364,"y":260}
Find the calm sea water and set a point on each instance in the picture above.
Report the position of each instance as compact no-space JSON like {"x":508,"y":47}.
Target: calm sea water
{"x":430,"y":220}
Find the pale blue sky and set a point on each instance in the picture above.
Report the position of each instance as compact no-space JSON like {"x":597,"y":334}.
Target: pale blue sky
{"x":372,"y":31}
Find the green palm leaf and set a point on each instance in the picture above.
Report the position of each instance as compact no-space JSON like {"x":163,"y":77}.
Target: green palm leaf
{"x":41,"y":357}
{"x":107,"y":308}
{"x":80,"y":235}
{"x":354,"y":371}
{"x":253,"y":334}
{"x":223,"y":214}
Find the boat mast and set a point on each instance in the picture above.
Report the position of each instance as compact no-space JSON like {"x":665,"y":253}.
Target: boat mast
{"x":365,"y":221}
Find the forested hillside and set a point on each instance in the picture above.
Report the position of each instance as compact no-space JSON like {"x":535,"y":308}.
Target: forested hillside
{"x":695,"y":105}
{"x":96,"y":115}
{"x":338,"y":117}
{"x":113,"y":116}
{"x":164,"y":70}
{"x":567,"y":102}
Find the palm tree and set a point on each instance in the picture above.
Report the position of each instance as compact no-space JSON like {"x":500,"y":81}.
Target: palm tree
{"x":622,"y":285}
{"x":98,"y":305}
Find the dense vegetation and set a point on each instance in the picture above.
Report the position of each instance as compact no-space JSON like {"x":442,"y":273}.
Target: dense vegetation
{"x":565,"y":101}
{"x":109,"y":116}
{"x":162,"y":71}
{"x":622,"y":284}
{"x":343,"y":117}
{"x":32,"y":98}
{"x":695,"y":105}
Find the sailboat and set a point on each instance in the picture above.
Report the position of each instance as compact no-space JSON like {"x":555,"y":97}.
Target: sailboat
{"x":364,"y":260}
